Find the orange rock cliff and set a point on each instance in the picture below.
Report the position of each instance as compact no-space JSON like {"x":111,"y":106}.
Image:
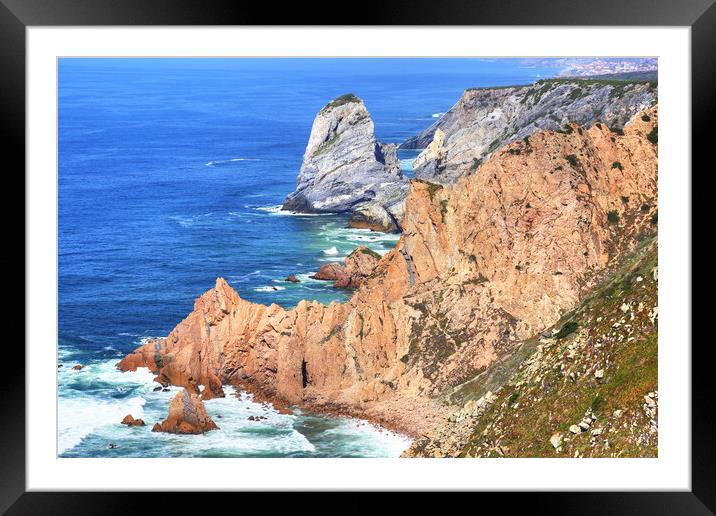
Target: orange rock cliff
{"x":480,"y":265}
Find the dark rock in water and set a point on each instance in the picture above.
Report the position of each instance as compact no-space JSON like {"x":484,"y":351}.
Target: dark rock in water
{"x":59,"y":365}
{"x":165,"y":390}
{"x":157,"y":388}
{"x":293,"y":279}
{"x":112,"y":446}
{"x":345,"y":167}
{"x":77,"y":367}
{"x":157,"y":427}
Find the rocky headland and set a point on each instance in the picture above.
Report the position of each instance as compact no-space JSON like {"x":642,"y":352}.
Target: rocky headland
{"x":346,"y":170}
{"x":483,"y":264}
{"x":485,"y":119}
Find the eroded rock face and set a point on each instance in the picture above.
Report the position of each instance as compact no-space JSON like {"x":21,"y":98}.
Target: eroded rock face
{"x":344,"y":166}
{"x":479,"y":266}
{"x":485,"y":119}
{"x":187,"y":415}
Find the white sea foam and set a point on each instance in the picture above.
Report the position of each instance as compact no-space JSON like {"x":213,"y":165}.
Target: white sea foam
{"x":437,"y":115}
{"x":331,"y":251}
{"x":269,"y":288}
{"x":82,"y":413}
{"x":188,"y":221}
{"x":232,"y":160}
{"x":276,"y":210}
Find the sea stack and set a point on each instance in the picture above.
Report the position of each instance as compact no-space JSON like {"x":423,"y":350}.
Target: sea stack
{"x":346,"y":169}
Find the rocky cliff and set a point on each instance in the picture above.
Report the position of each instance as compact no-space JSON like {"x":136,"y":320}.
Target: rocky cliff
{"x":345,"y":169}
{"x":587,"y":387}
{"x":485,"y":119}
{"x":481,"y":266}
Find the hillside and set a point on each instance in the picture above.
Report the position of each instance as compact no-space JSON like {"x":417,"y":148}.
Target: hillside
{"x":588,"y":386}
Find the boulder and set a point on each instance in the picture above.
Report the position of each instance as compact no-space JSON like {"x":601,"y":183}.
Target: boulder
{"x":293,"y":279}
{"x":78,"y":367}
{"x":130,"y":421}
{"x":187,"y":415}
{"x":353,"y":272}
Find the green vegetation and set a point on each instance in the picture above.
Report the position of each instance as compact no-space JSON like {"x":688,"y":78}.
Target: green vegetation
{"x":568,"y":328}
{"x":443,"y":209}
{"x":558,"y":384}
{"x":613,"y":217}
{"x":339,"y":101}
{"x":655,"y":217}
{"x":625,"y":199}
{"x":572,"y":159}
{"x":618,"y":165}
{"x":646,"y":118}
{"x":653,"y":135}
{"x":476,"y":162}
{"x":433,"y":188}
{"x":645,"y":208}
{"x":367,"y":251}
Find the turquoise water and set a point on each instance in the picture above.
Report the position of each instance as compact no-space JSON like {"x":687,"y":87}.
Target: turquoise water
{"x":170,"y":174}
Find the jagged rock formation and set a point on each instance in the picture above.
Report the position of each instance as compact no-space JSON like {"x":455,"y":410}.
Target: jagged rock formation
{"x":485,"y":119}
{"x":344,"y":167}
{"x":480,"y":266}
{"x":187,"y":415}
{"x":357,"y":267}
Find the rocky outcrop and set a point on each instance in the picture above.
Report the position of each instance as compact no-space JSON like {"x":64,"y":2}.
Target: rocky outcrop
{"x":344,"y":167}
{"x":187,"y":415}
{"x":480,"y":266}
{"x":357,"y":267}
{"x":130,"y":421}
{"x":485,"y":119}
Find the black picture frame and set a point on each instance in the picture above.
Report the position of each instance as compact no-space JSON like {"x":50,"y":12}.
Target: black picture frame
{"x":700,"y":15}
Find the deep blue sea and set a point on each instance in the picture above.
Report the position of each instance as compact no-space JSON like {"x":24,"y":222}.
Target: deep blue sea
{"x":171,"y":172}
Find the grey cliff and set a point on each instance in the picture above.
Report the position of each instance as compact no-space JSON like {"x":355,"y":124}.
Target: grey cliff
{"x":345,"y":170}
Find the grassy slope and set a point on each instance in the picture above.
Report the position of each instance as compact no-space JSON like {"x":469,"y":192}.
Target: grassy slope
{"x":558,"y":385}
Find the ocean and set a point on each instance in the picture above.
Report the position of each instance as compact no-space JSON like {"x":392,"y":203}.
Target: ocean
{"x":171,"y":174}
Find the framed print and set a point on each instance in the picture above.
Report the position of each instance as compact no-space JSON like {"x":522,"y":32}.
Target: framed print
{"x":435,"y":250}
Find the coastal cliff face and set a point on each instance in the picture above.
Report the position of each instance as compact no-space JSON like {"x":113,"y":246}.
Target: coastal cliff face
{"x":485,"y":119}
{"x":480,"y":266}
{"x":345,"y":168}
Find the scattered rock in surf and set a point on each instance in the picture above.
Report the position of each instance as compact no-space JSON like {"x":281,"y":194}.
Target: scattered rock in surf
{"x":256,"y":418}
{"x":165,"y":389}
{"x":187,"y":415}
{"x":293,"y":279}
{"x":130,"y":421}
{"x":157,"y":427}
{"x":78,"y":367}
{"x":112,"y":446}
{"x":59,"y":365}
{"x":157,"y":388}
